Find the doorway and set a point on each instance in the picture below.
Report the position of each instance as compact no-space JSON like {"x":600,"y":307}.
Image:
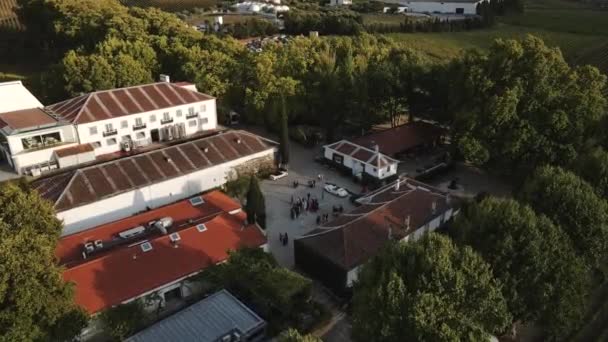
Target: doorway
{"x":154,"y":135}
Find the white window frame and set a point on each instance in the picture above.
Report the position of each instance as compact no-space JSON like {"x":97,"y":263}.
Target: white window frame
{"x":93,"y":130}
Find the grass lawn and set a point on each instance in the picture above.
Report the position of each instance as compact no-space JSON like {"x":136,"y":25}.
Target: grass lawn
{"x":580,"y":32}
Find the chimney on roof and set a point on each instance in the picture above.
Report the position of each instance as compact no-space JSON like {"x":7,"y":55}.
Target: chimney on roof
{"x":390,"y":232}
{"x":377,"y":148}
{"x":165,"y":78}
{"x":398,"y":184}
{"x":238,"y":140}
{"x":448,"y":199}
{"x":434,"y":207}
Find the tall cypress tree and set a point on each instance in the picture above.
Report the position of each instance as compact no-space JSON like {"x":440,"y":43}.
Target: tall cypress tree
{"x":284,"y":134}
{"x":255,"y":208}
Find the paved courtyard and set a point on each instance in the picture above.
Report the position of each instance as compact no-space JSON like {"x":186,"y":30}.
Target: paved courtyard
{"x":278,"y":196}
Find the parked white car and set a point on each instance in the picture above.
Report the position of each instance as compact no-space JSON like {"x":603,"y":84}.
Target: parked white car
{"x":336,"y":190}
{"x":278,"y":175}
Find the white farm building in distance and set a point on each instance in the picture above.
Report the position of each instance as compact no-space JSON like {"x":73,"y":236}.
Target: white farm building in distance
{"x":468,"y":7}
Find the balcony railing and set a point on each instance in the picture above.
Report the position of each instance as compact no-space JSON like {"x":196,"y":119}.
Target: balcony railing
{"x":191,"y":115}
{"x":166,"y":121}
{"x":109,"y":133}
{"x":138,"y":127}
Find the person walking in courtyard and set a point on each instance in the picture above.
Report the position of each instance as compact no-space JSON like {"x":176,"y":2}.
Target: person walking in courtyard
{"x":286,"y":239}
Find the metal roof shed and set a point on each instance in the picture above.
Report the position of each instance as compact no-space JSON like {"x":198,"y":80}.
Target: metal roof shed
{"x":218,"y":318}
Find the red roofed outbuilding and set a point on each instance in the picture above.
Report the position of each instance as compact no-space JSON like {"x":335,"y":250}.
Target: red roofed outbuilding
{"x":116,"y":268}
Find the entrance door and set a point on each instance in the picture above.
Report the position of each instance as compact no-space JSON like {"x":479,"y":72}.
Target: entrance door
{"x":154,"y":135}
{"x":174,"y":294}
{"x":460,"y":11}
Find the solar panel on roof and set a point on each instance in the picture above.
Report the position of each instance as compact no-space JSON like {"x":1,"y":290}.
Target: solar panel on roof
{"x":198,"y":200}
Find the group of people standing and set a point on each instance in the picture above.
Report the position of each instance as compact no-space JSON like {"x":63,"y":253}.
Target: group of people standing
{"x":303,"y":204}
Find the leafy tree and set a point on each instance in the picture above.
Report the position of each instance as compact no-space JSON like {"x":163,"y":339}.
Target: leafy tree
{"x":572,"y":204}
{"x":593,"y":167}
{"x":35,"y":301}
{"x":544,"y":281}
{"x":284,"y":134}
{"x":428,"y":290}
{"x":292,"y":335}
{"x":255,"y":277}
{"x":521,"y":106}
{"x":123,"y":320}
{"x":255,"y":207}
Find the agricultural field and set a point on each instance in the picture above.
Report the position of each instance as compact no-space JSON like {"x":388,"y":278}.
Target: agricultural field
{"x":579,"y":31}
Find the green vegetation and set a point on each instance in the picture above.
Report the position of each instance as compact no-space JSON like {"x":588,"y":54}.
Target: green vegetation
{"x":539,"y":111}
{"x":428,"y":290}
{"x":37,"y":305}
{"x":579,"y":30}
{"x":573,"y":203}
{"x":275,"y":293}
{"x":256,"y":206}
{"x":292,"y":335}
{"x":123,"y":320}
{"x":544,"y":282}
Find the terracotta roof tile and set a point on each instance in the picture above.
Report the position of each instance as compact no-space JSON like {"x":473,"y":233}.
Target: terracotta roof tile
{"x":93,"y":183}
{"x":112,"y":103}
{"x":124,"y":271}
{"x":26,"y":118}
{"x":74,"y":150}
{"x":401,"y":138}
{"x":355,"y":237}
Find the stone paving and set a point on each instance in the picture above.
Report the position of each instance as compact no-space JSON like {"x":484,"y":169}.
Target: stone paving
{"x":278,"y":196}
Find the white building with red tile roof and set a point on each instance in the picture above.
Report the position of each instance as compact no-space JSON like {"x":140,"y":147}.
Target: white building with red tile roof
{"x":121,"y":187}
{"x":155,"y":251}
{"x":361,"y":160}
{"x":109,"y":120}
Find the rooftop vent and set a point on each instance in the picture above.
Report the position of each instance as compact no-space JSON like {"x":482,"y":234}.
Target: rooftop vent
{"x":98,"y":244}
{"x":146,"y":247}
{"x":162,"y":224}
{"x":205,"y":149}
{"x":201,"y":227}
{"x":198,"y":200}
{"x":238,"y":140}
{"x":434,"y":207}
{"x":164,"y":78}
{"x":132,"y":232}
{"x":167,"y":159}
{"x":89,"y":247}
{"x":175,"y":237}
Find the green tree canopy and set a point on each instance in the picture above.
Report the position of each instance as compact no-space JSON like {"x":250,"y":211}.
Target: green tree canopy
{"x":292,"y":335}
{"x":428,"y":290}
{"x":593,"y":167}
{"x":521,"y":105}
{"x":572,"y":204}
{"x":34,"y":300}
{"x":256,"y":206}
{"x":544,"y":281}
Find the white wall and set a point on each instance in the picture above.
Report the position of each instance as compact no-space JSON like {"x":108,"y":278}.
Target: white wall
{"x":369,"y":169}
{"x":76,"y":159}
{"x":352,"y":276}
{"x":155,"y":195}
{"x":441,"y":7}
{"x":209,"y":113}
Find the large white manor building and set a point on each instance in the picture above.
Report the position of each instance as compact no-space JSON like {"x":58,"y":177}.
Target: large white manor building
{"x":35,"y":139}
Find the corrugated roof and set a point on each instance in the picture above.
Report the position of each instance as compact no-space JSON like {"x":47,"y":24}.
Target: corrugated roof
{"x":75,"y":188}
{"x":362,"y":153}
{"x":107,"y":104}
{"x":125,"y":271}
{"x":205,"y":321}
{"x":354,"y":237}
